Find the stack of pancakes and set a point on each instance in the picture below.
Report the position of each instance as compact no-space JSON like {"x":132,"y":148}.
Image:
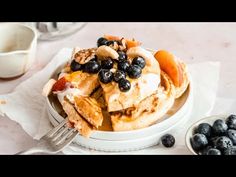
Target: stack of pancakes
{"x":91,"y":101}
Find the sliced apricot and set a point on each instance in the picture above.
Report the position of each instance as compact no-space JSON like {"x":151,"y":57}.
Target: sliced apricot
{"x":129,"y":43}
{"x":112,"y":38}
{"x":132,"y":43}
{"x":171,"y":66}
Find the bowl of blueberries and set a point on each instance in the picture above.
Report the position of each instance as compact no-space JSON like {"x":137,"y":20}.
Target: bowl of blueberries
{"x":214,"y":135}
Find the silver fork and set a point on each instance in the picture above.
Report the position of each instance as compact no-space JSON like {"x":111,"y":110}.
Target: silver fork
{"x":54,"y":141}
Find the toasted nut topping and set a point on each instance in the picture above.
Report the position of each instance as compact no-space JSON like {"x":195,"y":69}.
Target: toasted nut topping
{"x":83,"y":56}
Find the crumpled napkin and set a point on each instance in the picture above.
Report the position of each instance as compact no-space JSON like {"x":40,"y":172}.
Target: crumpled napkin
{"x":27,"y":106}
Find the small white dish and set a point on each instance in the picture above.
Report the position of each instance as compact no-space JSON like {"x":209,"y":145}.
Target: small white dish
{"x":210,"y":120}
{"x":17,"y":49}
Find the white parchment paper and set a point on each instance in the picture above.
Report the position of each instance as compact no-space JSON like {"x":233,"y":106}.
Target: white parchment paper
{"x":26,"y":105}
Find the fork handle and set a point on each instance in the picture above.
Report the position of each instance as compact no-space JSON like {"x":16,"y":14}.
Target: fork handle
{"x":33,"y":150}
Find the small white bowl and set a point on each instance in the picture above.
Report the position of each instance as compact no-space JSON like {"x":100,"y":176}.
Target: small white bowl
{"x":210,"y":120}
{"x":17,"y":49}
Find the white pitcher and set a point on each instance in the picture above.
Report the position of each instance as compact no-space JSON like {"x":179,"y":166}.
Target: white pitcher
{"x":17,"y":49}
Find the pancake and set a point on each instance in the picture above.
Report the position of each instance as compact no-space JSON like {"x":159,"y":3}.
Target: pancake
{"x":148,"y":111}
{"x":183,"y":87}
{"x":84,"y":128}
{"x":92,"y":105}
{"x":89,"y":109}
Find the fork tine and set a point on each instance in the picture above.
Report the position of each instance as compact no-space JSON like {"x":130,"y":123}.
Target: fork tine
{"x":58,"y":127}
{"x":67,"y":141}
{"x":60,"y":133}
{"x":64,"y":137}
{"x":55,"y":140}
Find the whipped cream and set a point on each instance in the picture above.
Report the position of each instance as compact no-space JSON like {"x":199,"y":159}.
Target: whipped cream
{"x":69,"y":93}
{"x":149,"y":83}
{"x":141,"y":88}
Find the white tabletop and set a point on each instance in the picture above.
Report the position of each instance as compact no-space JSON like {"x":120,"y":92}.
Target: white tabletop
{"x":193,"y":42}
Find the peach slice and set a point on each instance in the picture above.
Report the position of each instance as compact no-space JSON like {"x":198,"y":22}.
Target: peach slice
{"x":112,"y":38}
{"x":129,"y":42}
{"x":170,"y":65}
{"x":132,"y":43}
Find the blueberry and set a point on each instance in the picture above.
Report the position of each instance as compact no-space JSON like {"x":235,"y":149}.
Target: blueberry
{"x":122,"y":56}
{"x":139,"y":61}
{"x":204,"y":150}
{"x":102,"y":41}
{"x":231,"y":121}
{"x":110,"y":43}
{"x":232,"y":135}
{"x":123,"y":65}
{"x":223,"y":142}
{"x":134,"y":71}
{"x":124,"y":85}
{"x":168,"y":140}
{"x":230,"y":151}
{"x":74,"y":66}
{"x":204,"y":128}
{"x":212,"y":141}
{"x":105,"y":76}
{"x":219,"y":127}
{"x":199,"y":141}
{"x":195,"y":130}
{"x":107,"y":64}
{"x":92,"y":67}
{"x":94,"y":59}
{"x":119,"y":42}
{"x":119,"y":75}
{"x":213,"y":151}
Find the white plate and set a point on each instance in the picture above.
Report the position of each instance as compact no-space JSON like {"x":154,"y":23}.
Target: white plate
{"x":130,"y":140}
{"x":124,"y":145}
{"x":135,"y":139}
{"x":178,"y":110}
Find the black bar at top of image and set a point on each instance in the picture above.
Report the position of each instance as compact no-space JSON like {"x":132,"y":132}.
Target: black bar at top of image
{"x":117,"y":11}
